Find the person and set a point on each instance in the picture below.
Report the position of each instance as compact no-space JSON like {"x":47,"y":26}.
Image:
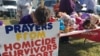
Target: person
{"x":24,"y":7}
{"x":67,"y":6}
{"x":40,"y":16}
{"x":78,"y":6}
{"x":90,"y":5}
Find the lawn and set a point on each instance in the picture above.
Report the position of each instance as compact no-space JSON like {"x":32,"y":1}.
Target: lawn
{"x":9,"y":21}
{"x":77,"y":48}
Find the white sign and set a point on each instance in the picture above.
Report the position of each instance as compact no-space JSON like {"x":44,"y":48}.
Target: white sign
{"x":29,"y":40}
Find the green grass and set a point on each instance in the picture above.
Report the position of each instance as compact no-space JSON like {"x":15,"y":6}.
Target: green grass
{"x":9,"y":21}
{"x":77,"y":48}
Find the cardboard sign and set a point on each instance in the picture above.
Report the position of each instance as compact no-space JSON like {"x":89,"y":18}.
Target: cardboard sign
{"x":29,"y":40}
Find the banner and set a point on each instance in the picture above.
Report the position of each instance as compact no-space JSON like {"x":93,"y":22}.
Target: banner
{"x":29,"y":40}
{"x":92,"y":34}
